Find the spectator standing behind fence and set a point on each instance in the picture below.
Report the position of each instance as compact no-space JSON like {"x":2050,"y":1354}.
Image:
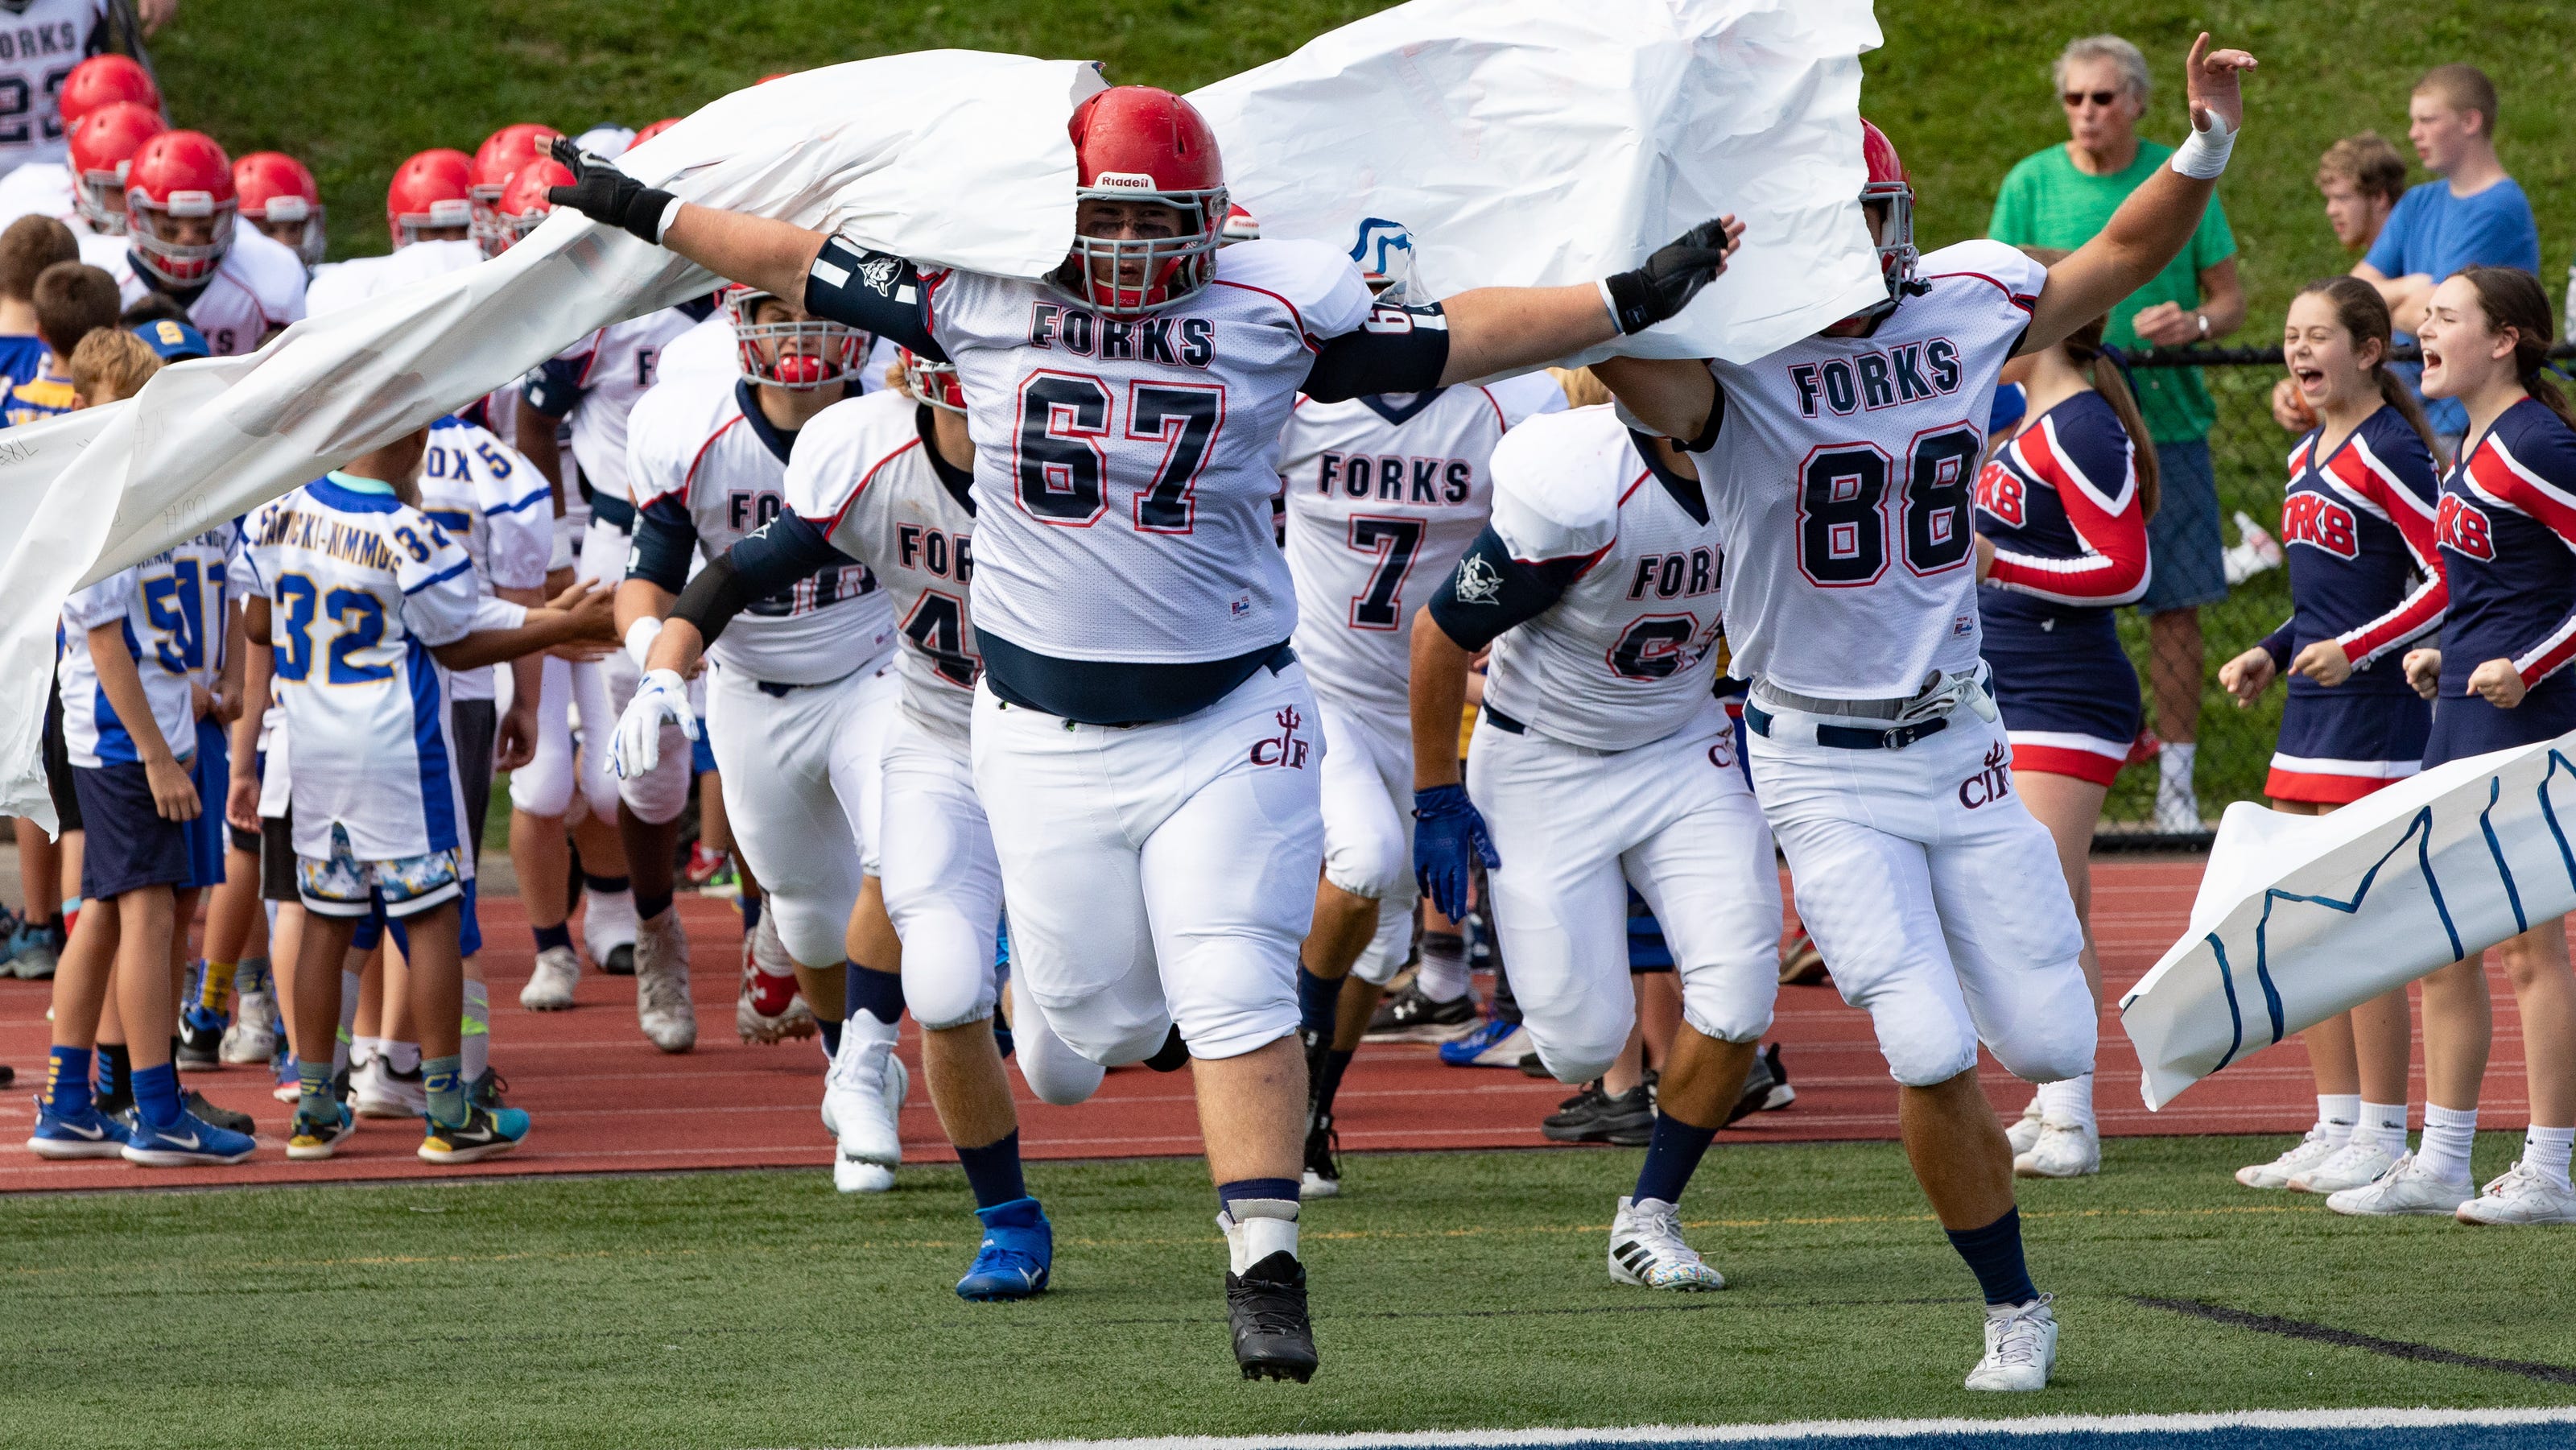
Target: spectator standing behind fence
{"x":2362,"y":178}
{"x":2061,"y":197}
{"x":2475,"y":216}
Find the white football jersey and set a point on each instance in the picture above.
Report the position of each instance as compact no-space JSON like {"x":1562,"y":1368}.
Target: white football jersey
{"x":498,"y":506}
{"x":40,"y":42}
{"x":40,"y":188}
{"x":700,"y":442}
{"x":337,"y":285}
{"x":867,"y":473}
{"x":360,"y":587}
{"x":708,"y":348}
{"x":1628,"y":653}
{"x":1383,"y":491}
{"x":164,"y":605}
{"x":258,"y":285}
{"x":604,"y":374}
{"x":1124,"y":469}
{"x":1845,"y":473}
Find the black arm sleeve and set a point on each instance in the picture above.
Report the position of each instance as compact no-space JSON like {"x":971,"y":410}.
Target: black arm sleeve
{"x":783,"y":551}
{"x":665,"y":538}
{"x":1398,"y":350}
{"x":872,"y":292}
{"x":1490,"y":591}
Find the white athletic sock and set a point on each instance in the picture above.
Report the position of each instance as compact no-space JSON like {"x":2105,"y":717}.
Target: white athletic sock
{"x":2173,"y":768}
{"x":2449,"y":1133}
{"x":1442,"y":979}
{"x":2545,"y":1151}
{"x":344,"y":1054}
{"x":402,"y":1056}
{"x":2337,"y":1115}
{"x":2385,"y":1124}
{"x":2067,"y":1104}
{"x":475,"y":1045}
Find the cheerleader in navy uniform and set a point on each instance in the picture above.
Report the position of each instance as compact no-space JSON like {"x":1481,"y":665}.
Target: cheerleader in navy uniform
{"x":2507,"y":523}
{"x":2062,"y":509}
{"x":2365,"y":580}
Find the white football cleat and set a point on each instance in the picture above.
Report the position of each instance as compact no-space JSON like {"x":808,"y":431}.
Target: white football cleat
{"x":2406,"y":1188}
{"x":252,"y":1038}
{"x":850,"y":1175}
{"x":550,"y":986}
{"x":863,"y":1097}
{"x":1646,"y":1249}
{"x":2021,"y":1347}
{"x":662,"y":1006}
{"x":2023,"y":1135}
{"x":2306,"y":1154}
{"x":2064,"y":1150}
{"x":2521,"y":1196}
{"x":2356,"y":1164}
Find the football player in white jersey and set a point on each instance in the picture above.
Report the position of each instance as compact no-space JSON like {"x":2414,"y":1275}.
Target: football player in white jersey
{"x":1845,"y":465}
{"x":1144,"y":737}
{"x":50,"y":39}
{"x":44,"y":188}
{"x":797,"y":704}
{"x":239,"y":287}
{"x":1603,"y":759}
{"x":367,"y":603}
{"x":1381,"y":491}
{"x":886,"y":480}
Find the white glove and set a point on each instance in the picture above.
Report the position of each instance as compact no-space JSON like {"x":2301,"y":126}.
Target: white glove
{"x":662,"y":695}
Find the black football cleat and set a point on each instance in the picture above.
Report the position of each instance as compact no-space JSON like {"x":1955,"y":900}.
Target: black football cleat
{"x":1172,"y":1056}
{"x":621,"y":960}
{"x":1267,"y":1304}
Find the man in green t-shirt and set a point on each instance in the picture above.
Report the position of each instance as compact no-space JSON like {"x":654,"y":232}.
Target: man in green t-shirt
{"x":2061,"y":197}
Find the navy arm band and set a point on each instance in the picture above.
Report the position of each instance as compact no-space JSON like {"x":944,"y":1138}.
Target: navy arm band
{"x":873,"y":292}
{"x":1490,"y":591}
{"x":785,"y":550}
{"x":1397,"y":350}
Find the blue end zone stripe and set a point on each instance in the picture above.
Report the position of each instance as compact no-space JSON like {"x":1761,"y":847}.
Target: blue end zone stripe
{"x":429,"y":741}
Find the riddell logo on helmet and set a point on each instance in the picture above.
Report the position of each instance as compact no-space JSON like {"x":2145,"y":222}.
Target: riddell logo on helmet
{"x":1124,"y":181}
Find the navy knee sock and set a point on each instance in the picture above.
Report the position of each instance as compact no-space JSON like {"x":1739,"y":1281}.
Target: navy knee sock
{"x":649,"y":907}
{"x":603,"y":885}
{"x":1672,"y":1156}
{"x":1994,"y":1255}
{"x":1328,"y":1080}
{"x":1318,"y":1001}
{"x":115,"y":1076}
{"x":750,"y":913}
{"x":831,"y":1030}
{"x":993,"y":1170}
{"x":879,"y":994}
{"x":557,"y":935}
{"x":1227,"y":1193}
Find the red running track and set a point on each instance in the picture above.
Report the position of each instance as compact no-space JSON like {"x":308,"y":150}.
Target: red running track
{"x":604,"y":1101}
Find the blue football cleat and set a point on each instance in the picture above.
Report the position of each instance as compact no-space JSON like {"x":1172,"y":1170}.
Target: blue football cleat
{"x":88,"y":1133}
{"x":1494,"y":1043}
{"x":1017,"y":1252}
{"x":187,"y":1143}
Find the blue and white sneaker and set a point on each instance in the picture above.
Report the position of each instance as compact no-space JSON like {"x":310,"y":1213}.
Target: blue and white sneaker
{"x":88,"y":1133}
{"x":187,"y":1143}
{"x":1016,"y":1255}
{"x":1496,"y":1043}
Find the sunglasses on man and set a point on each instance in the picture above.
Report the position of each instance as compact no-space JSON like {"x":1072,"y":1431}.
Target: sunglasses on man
{"x":2075,"y":99}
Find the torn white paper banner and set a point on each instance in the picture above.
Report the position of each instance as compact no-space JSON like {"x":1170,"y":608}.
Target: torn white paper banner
{"x":2302,"y":917}
{"x":1539,"y":142}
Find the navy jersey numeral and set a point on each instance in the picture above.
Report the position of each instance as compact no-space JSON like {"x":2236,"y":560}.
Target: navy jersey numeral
{"x":1394,"y":542}
{"x":938,"y":628}
{"x":1844,"y":507}
{"x":1653,"y":647}
{"x":1062,"y":466}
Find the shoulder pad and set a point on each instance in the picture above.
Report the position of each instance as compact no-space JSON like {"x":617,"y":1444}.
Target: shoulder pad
{"x":1557,"y":481}
{"x":1320,"y":283}
{"x":2006,"y":266}
{"x":841,"y":447}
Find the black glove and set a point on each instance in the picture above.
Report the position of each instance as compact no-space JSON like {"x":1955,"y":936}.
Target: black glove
{"x":603,"y":193}
{"x":1669,"y":280}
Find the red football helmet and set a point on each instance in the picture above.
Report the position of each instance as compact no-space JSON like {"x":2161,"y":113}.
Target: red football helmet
{"x":100,"y":154}
{"x":495,"y":162}
{"x":104,"y":80}
{"x":525,"y":204}
{"x":429,"y":192}
{"x":180,"y":203}
{"x":934,"y":383}
{"x":1887,"y":189}
{"x":1139,"y":144}
{"x":649,"y":132}
{"x":280,"y":198}
{"x":1240,"y":226}
{"x":800,"y":356}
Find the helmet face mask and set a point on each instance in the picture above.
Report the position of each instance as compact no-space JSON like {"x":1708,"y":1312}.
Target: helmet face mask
{"x":495,"y":164}
{"x":1150,"y":202}
{"x":180,"y":207}
{"x":524,"y":207}
{"x":102,"y":157}
{"x":789,"y":349}
{"x":279,"y":197}
{"x":428,"y":199}
{"x":934,"y":383}
{"x":1887,"y":204}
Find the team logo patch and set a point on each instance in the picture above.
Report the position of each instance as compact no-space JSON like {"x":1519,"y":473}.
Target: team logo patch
{"x":1992,"y":783}
{"x":1478,"y":583}
{"x":1284,"y":748}
{"x":879,"y":275}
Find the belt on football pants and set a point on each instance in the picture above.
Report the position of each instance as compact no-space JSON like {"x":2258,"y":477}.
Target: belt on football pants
{"x":1853,"y":737}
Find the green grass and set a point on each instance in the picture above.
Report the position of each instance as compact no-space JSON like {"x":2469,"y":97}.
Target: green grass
{"x":1452,"y":1290}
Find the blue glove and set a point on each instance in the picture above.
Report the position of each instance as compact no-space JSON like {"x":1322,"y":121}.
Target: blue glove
{"x":1446,"y":828}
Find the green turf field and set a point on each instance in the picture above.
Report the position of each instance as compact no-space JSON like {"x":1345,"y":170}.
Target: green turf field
{"x":1453,"y":1290}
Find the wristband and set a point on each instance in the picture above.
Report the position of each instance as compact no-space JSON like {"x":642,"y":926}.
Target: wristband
{"x":639,"y":639}
{"x":2203,"y":154}
{"x":669,"y":214}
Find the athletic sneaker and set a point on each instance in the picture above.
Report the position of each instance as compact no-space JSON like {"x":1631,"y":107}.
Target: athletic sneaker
{"x":2356,"y":1164}
{"x":225,"y":1118}
{"x":1595,"y":1115}
{"x":2523,"y":1195}
{"x":309,"y":1140}
{"x":2021,"y":1347}
{"x":376,"y":1090}
{"x":488,"y":1090}
{"x":2307,"y":1153}
{"x":483,"y":1134}
{"x":1411,"y":1016}
{"x":190,"y":1142}
{"x":1266,"y":1308}
{"x":769,"y":1008}
{"x":704,"y":866}
{"x":662,"y":1006}
{"x":1766,"y":1088}
{"x":2064,"y":1150}
{"x":34,"y":951}
{"x":2406,"y":1188}
{"x":1016,"y":1255}
{"x":1646,"y":1249}
{"x":201,"y":1037}
{"x":1801,"y":965}
{"x":88,"y":1133}
{"x":252,"y":1037}
{"x":1494,"y":1043}
{"x":287,"y":1083}
{"x":620,"y":961}
{"x":863,"y":1098}
{"x":550,"y":986}
{"x":2023,"y":1135}
{"x":1323,"y":1176}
